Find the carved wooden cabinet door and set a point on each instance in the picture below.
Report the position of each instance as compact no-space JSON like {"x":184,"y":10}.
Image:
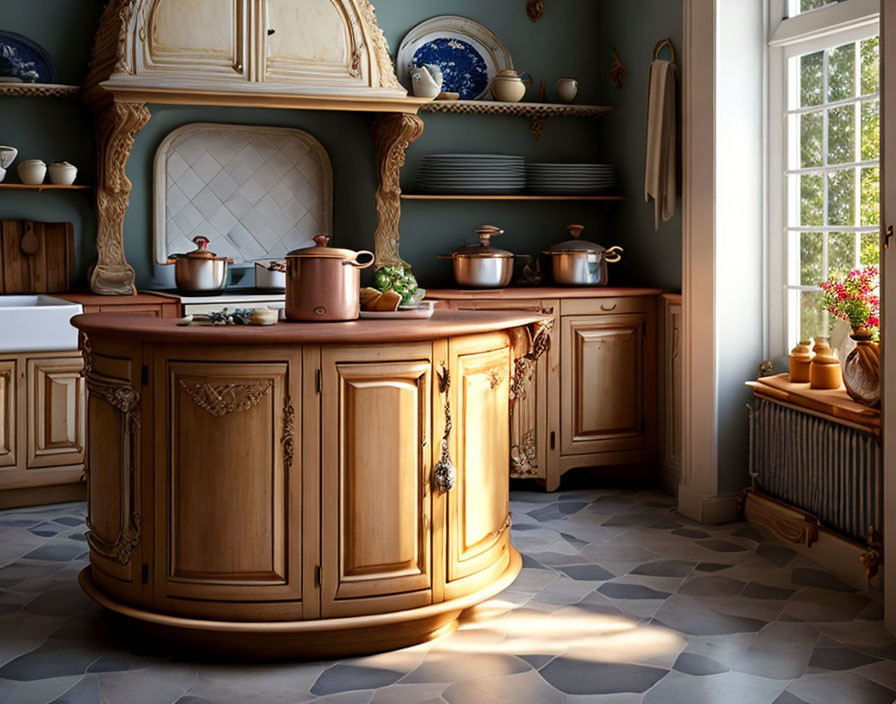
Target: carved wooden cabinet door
{"x":315,"y":41}
{"x":375,"y":469}
{"x":195,"y":37}
{"x":604,"y":385}
{"x":478,"y":521}
{"x":7,"y":414}
{"x":56,"y":412}
{"x":228,"y":481}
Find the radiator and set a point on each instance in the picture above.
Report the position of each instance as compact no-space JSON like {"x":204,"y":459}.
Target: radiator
{"x":831,"y":470}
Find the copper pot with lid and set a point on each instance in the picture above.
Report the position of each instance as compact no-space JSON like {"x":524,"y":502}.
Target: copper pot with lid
{"x":482,"y":265}
{"x":200,"y":269}
{"x":323,"y":283}
{"x":578,"y":262}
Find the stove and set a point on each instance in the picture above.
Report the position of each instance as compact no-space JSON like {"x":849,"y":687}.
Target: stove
{"x":234,"y":297}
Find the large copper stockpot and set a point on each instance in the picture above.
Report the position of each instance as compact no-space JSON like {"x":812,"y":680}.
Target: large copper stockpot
{"x":324,"y":283}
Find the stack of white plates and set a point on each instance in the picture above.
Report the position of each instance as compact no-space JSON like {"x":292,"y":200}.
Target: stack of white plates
{"x":570,"y":178}
{"x":472,"y":173}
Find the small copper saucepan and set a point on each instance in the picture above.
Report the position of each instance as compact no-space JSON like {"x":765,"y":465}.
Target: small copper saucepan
{"x":324,"y":283}
{"x":200,"y":270}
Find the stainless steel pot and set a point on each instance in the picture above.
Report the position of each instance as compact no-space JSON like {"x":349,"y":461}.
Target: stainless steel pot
{"x":578,"y":262}
{"x":481,"y":265}
{"x":270,"y":277}
{"x":200,"y":270}
{"x":324,"y":283}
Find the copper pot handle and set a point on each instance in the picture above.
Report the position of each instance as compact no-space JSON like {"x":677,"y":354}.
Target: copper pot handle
{"x":613,"y":254}
{"x":359,"y":264}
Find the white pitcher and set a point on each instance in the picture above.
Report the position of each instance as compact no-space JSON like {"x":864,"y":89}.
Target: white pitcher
{"x":427,"y":80}
{"x":7,"y":156}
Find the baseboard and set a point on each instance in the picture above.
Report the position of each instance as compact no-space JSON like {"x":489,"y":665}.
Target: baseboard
{"x":670,"y":478}
{"x":41,"y":495}
{"x":842,"y":556}
{"x":707,"y":509}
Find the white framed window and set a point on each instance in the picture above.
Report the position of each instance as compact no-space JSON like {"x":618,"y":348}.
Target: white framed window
{"x":823,"y":169}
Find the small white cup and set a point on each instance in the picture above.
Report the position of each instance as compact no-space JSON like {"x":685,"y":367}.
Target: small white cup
{"x":567,"y":89}
{"x":62,"y":173}
{"x":32,"y":172}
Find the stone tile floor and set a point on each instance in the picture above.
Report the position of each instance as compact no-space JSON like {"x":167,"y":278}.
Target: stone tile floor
{"x":620,"y":600}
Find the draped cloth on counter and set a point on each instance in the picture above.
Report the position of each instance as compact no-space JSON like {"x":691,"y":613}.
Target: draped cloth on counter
{"x":661,"y":171}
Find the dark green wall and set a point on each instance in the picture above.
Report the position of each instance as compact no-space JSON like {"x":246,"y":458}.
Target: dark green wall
{"x":572,"y":39}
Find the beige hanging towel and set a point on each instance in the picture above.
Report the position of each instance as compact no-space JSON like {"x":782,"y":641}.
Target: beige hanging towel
{"x":661,"y":173}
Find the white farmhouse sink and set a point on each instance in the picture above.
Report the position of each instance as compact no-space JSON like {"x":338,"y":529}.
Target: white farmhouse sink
{"x":37,"y":324}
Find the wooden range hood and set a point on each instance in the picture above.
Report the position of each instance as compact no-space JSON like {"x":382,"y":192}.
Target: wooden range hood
{"x":312,"y":55}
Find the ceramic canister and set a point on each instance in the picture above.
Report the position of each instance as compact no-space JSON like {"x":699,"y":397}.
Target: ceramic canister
{"x":32,"y":171}
{"x":62,"y":173}
{"x":824,"y":371}
{"x":567,"y":89}
{"x":800,"y":360}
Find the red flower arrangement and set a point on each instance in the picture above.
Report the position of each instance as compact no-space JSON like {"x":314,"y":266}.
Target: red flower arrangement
{"x":855,"y":299}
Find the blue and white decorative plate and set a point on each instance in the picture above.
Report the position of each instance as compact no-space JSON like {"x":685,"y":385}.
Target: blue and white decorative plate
{"x":22,"y":59}
{"x":468,"y":54}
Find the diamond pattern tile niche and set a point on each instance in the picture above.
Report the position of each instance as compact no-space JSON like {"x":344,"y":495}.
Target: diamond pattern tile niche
{"x":255,"y":192}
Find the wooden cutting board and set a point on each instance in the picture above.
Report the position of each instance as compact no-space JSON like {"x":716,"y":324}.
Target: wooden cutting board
{"x":36,"y":257}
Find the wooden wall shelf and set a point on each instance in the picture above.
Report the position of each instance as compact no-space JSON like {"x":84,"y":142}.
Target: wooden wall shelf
{"x":39,"y":90}
{"x":46,"y":187}
{"x":534,"y":112}
{"x":453,"y":196}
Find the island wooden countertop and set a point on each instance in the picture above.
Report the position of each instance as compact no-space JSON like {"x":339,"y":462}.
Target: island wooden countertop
{"x":444,"y":323}
{"x":530,"y":292}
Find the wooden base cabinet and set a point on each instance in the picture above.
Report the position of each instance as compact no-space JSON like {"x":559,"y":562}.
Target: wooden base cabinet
{"x":42,"y":422}
{"x":293,"y":485}
{"x":593,"y":399}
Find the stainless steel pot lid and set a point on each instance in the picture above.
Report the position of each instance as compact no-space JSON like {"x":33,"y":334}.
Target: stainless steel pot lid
{"x":575,"y":244}
{"x":322,"y":249}
{"x":482,"y":249}
{"x":200,"y":252}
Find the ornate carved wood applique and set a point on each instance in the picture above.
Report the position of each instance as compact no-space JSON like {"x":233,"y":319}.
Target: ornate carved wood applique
{"x":523,"y":443}
{"x":287,"y":440}
{"x":535,"y":9}
{"x":124,"y":397}
{"x":222,"y":399}
{"x":393,"y":133}
{"x":115,"y":125}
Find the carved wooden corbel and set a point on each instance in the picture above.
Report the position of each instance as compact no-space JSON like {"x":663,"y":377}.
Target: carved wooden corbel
{"x":115,"y":125}
{"x":393,"y":133}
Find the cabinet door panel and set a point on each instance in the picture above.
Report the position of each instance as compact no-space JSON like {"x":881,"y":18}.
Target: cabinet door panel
{"x":534,"y":416}
{"x":376,"y":534}
{"x":312,"y":40}
{"x":199,"y":36}
{"x":603,"y":383}
{"x":231,"y":512}
{"x":56,"y":411}
{"x":477,"y":505}
{"x":8,"y":413}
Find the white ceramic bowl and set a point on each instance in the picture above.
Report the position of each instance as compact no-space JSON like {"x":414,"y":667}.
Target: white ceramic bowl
{"x":62,"y":173}
{"x":32,"y":171}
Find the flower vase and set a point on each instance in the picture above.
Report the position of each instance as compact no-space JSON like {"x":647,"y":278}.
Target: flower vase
{"x":861,"y":370}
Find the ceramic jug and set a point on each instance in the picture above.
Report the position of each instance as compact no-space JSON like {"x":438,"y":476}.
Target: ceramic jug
{"x":427,"y":80}
{"x":509,"y":86}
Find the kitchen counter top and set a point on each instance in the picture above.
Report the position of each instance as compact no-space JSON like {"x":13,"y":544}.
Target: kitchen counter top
{"x":526,"y":293}
{"x":442,"y":324}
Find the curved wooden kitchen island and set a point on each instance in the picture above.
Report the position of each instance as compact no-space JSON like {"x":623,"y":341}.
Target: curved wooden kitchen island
{"x":272,"y":491}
